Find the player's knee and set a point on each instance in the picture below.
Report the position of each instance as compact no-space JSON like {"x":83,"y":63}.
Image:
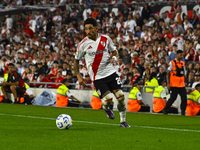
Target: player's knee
{"x":12,"y":87}
{"x":107,"y":99}
{"x":120,"y":96}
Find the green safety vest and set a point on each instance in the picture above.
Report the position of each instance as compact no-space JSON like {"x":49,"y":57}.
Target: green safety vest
{"x":194,"y":96}
{"x":153,"y":82}
{"x":157,"y":92}
{"x":26,"y":86}
{"x":5,"y":77}
{"x":96,"y":94}
{"x":133,"y":93}
{"x":62,"y":90}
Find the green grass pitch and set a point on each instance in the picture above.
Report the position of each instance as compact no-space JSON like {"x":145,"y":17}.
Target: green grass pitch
{"x":26,"y":127}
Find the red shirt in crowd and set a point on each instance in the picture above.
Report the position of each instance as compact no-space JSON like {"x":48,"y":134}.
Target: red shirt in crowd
{"x":58,"y":80}
{"x":134,"y":62}
{"x":44,"y":85}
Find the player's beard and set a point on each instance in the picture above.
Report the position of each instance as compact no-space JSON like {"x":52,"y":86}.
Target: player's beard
{"x":92,"y":37}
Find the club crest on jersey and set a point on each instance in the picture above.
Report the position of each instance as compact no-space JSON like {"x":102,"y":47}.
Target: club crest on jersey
{"x":98,"y":92}
{"x":103,"y":43}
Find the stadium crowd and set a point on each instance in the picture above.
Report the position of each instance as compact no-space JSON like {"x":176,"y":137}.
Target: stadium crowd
{"x":43,"y":45}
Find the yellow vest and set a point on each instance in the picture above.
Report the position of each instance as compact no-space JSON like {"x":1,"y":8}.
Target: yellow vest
{"x":133,"y":93}
{"x":5,"y":77}
{"x":96,"y":94}
{"x":157,"y":92}
{"x":62,"y":89}
{"x":194,"y":96}
{"x":26,"y":86}
{"x":153,"y":82}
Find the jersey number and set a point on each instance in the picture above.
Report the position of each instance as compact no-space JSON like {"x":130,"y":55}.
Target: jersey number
{"x":118,"y":80}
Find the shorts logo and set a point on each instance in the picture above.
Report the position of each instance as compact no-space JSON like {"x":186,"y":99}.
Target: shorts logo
{"x":98,"y":92}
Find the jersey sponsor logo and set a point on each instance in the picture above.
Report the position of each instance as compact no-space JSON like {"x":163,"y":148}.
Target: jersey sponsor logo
{"x":97,"y":52}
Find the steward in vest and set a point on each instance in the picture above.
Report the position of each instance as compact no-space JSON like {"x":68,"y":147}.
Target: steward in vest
{"x":96,"y":101}
{"x":63,"y":94}
{"x":159,"y":99}
{"x":135,"y":103}
{"x":13,"y":83}
{"x":193,"y":102}
{"x":152,"y":81}
{"x":28,"y":90}
{"x":2,"y":99}
{"x":176,"y":82}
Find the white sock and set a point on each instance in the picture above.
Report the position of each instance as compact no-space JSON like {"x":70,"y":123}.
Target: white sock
{"x":122,"y":116}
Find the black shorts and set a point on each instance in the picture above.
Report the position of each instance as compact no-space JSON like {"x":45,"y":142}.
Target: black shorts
{"x":110,"y":83}
{"x":19,"y":90}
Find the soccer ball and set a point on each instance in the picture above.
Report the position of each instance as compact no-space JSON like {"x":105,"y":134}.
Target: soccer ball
{"x":2,"y":81}
{"x":64,"y":121}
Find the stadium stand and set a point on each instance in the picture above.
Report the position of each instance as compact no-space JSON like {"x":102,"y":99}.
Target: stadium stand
{"x":42,"y":39}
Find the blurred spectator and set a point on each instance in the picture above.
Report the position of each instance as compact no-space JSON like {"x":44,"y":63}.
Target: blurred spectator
{"x":190,"y":80}
{"x":58,"y":79}
{"x":42,"y":78}
{"x":126,"y":57}
{"x":197,"y":79}
{"x":146,"y":12}
{"x":144,"y":40}
{"x":95,"y":13}
{"x":162,"y":74}
{"x":87,"y":10}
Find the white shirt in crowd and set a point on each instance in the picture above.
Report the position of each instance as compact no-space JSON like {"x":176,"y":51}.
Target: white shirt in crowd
{"x":130,"y":24}
{"x":5,"y":31}
{"x":85,"y":13}
{"x":9,"y":23}
{"x":179,"y":41}
{"x":187,"y":26}
{"x":58,"y":18}
{"x":33,"y":25}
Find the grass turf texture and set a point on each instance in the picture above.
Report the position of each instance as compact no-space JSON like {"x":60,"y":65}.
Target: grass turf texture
{"x":148,"y":131}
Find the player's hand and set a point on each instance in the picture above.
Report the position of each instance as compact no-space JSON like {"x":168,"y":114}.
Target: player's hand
{"x":168,"y":86}
{"x":81,"y":80}
{"x":4,"y":84}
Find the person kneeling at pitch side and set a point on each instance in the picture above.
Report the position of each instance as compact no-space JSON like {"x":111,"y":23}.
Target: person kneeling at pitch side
{"x":193,"y":102}
{"x":160,"y":99}
{"x":63,"y":95}
{"x":135,"y":103}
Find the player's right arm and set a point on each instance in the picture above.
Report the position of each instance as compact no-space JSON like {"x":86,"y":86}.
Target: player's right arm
{"x":79,"y":54}
{"x":79,"y":76}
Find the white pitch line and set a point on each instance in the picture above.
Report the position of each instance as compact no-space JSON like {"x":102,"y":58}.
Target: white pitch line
{"x":136,"y":126}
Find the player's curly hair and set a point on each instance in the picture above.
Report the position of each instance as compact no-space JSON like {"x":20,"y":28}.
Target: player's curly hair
{"x":90,"y":21}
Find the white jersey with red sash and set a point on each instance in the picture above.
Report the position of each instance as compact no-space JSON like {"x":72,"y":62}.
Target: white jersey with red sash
{"x":97,"y":56}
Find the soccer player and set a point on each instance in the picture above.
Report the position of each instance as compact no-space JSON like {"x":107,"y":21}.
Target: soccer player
{"x":98,"y":49}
